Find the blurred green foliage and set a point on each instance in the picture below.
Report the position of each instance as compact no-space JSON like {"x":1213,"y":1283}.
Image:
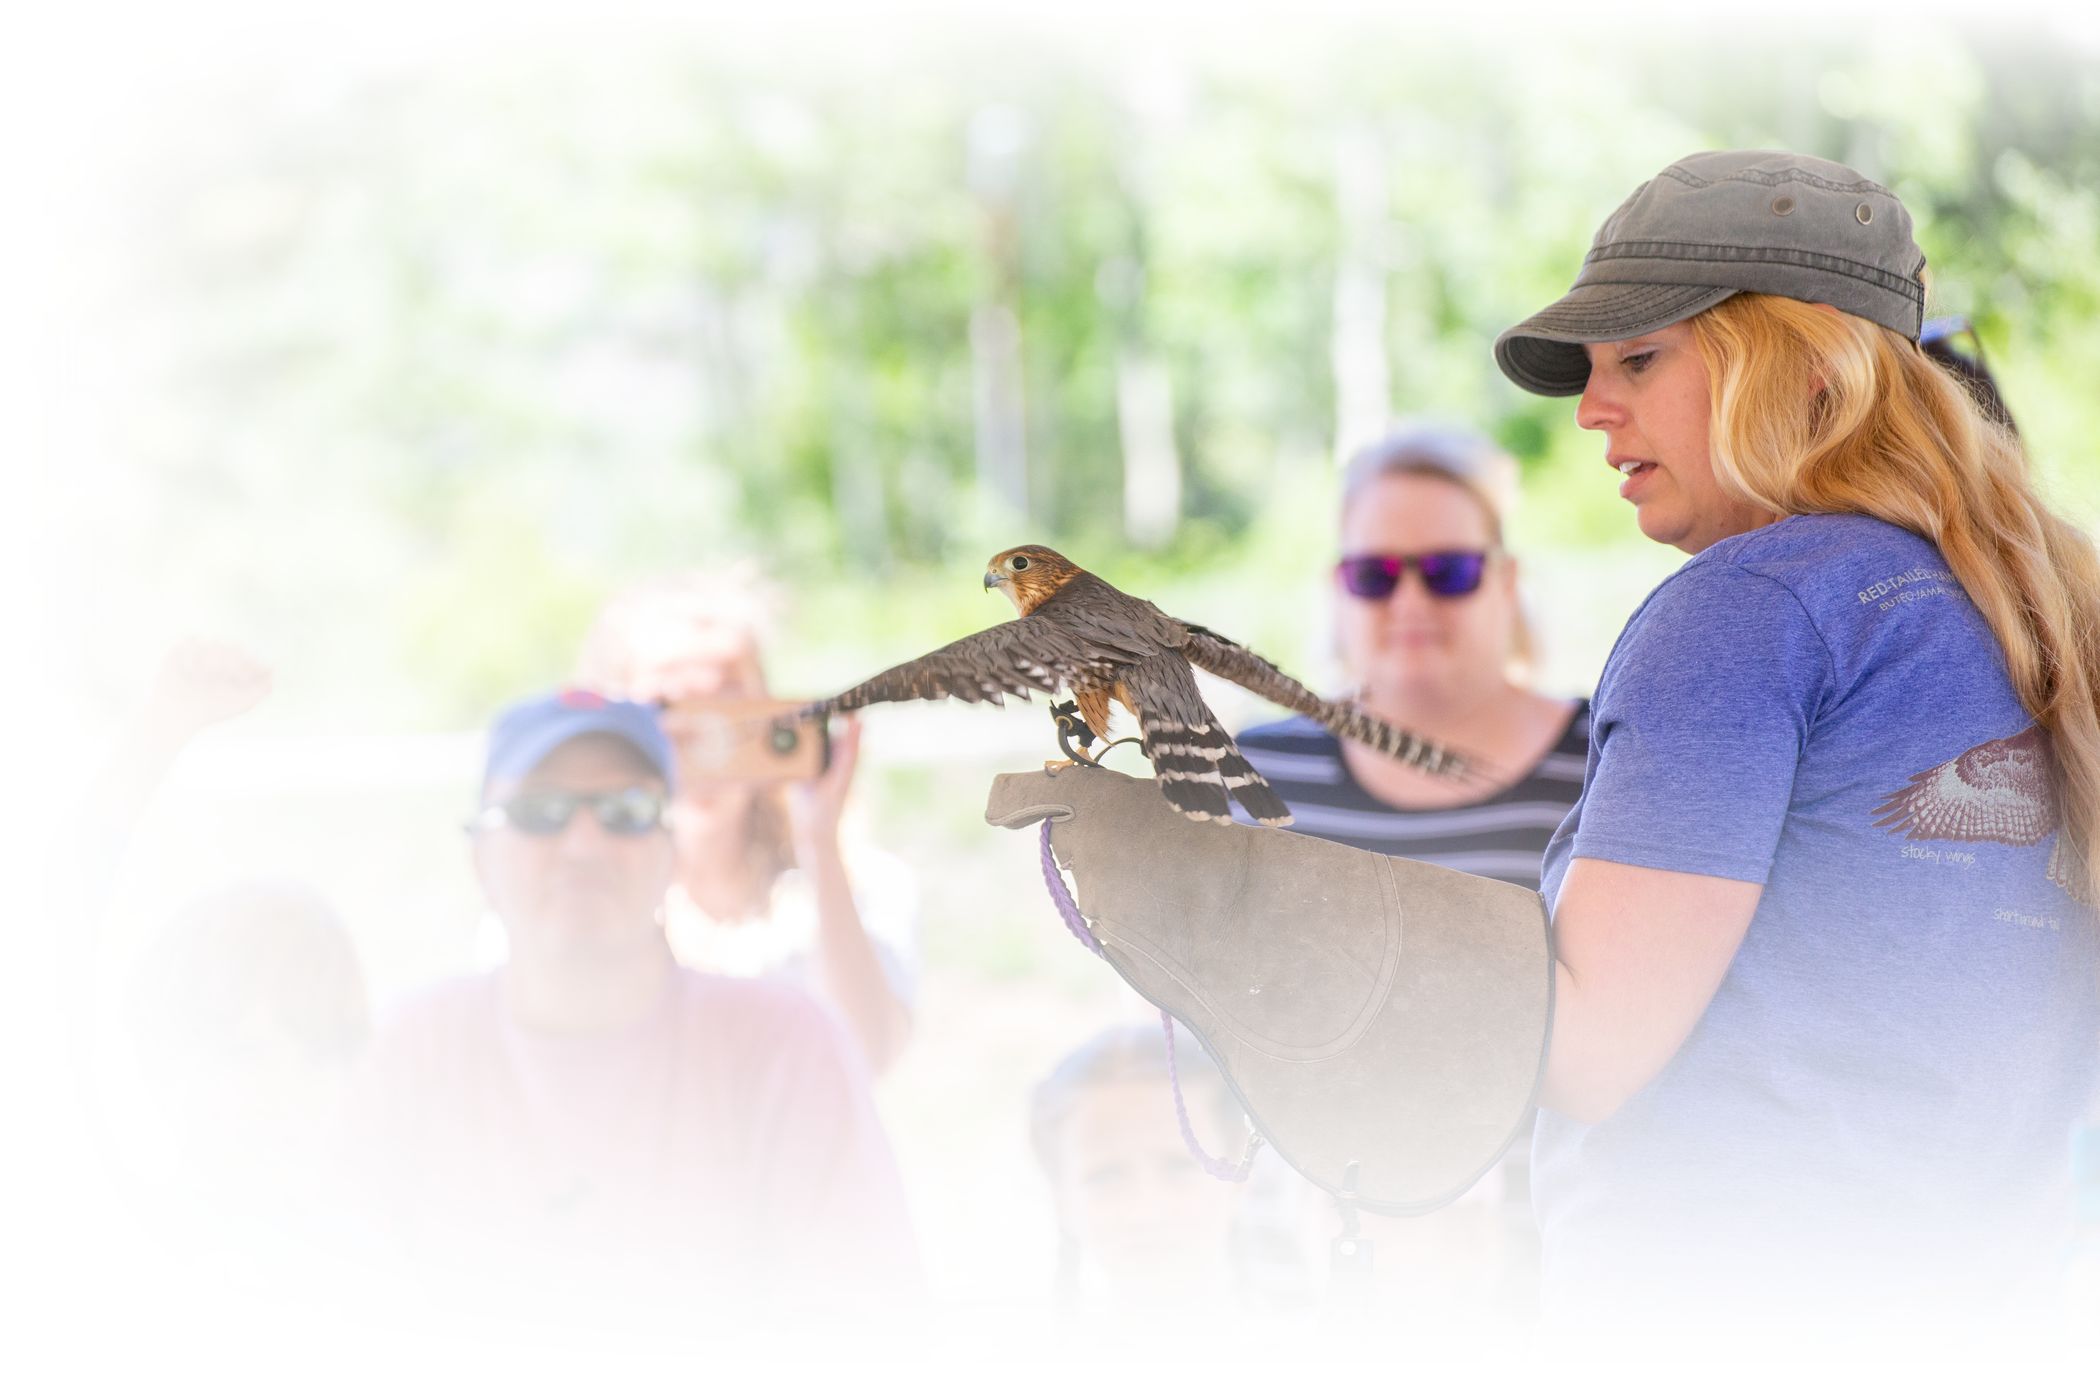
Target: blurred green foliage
{"x":435,"y":362}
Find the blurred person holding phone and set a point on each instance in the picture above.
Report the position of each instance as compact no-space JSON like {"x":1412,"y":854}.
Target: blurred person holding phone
{"x":593,"y":1119}
{"x":767,"y":884}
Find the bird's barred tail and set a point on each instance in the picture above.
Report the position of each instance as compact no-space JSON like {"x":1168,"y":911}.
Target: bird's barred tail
{"x":1200,"y":770}
{"x":1342,"y":718}
{"x":1221,"y":656}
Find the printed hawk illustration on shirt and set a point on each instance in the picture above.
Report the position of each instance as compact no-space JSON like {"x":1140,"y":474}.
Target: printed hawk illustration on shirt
{"x":2003,"y":791}
{"x":1076,"y":632}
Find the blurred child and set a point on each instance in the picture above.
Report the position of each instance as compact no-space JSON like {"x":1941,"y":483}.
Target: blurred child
{"x":246,"y":1016}
{"x":1139,"y":1222}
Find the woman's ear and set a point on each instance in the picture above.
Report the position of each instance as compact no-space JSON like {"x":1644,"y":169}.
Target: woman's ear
{"x":1507,"y":563}
{"x":1819,"y":383}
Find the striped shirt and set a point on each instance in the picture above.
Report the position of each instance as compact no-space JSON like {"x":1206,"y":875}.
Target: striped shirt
{"x":1503,"y":836}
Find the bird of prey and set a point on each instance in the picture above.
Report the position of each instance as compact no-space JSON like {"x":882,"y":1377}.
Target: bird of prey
{"x":1078,"y":633}
{"x":2003,"y":790}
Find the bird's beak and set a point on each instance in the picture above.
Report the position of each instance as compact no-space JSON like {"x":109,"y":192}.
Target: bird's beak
{"x":992,"y":580}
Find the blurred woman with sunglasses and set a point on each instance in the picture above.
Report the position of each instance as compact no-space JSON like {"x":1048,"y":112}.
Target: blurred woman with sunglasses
{"x":1432,"y":633}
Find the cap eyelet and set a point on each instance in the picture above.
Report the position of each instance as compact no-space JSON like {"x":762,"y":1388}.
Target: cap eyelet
{"x":1783,"y":206}
{"x":1865,"y":214}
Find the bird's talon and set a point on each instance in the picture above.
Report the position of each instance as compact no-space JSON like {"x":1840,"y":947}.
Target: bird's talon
{"x":1071,"y":729}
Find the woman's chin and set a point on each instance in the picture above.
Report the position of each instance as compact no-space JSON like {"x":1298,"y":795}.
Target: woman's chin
{"x":1413,"y":691}
{"x":1660,"y":523}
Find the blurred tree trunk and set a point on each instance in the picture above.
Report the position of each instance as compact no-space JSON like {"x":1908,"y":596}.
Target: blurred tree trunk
{"x":1362,"y":376}
{"x":858,"y":500}
{"x":1151,"y":464}
{"x":1152,"y":486}
{"x":997,"y":137}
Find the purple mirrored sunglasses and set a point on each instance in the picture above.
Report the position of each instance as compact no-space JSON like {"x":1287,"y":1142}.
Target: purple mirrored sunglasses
{"x":1450,"y":573}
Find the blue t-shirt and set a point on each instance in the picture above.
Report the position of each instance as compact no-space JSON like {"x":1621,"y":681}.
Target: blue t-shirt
{"x":1881,"y":1094}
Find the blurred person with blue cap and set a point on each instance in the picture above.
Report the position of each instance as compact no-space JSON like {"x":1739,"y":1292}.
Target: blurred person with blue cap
{"x":593,"y":1120}
{"x":578,"y":899}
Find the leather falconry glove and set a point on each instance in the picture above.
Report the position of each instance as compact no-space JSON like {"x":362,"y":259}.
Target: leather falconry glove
{"x":1383,"y":1022}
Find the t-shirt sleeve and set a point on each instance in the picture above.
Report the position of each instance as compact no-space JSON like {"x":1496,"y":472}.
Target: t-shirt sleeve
{"x":1699,"y":726}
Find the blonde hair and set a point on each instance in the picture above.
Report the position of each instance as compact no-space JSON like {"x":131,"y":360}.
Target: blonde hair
{"x":1469,"y":461}
{"x":1890,"y":434}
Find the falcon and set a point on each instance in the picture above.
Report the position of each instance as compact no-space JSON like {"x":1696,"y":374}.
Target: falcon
{"x":1075,"y":632}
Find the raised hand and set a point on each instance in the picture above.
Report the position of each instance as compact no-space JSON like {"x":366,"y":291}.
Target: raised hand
{"x":201,"y":683}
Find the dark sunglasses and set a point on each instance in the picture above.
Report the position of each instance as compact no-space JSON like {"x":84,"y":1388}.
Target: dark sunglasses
{"x":628,"y":812}
{"x":1450,"y":573}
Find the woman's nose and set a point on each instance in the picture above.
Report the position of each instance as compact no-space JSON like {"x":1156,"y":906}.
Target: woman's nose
{"x":1596,"y":409}
{"x":1411,"y":591}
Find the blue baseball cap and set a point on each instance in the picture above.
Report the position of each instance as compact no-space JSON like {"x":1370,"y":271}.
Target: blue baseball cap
{"x":525,"y":733}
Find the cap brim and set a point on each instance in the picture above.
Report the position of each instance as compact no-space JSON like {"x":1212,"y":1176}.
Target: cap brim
{"x":528,"y":752}
{"x":1544,"y":352}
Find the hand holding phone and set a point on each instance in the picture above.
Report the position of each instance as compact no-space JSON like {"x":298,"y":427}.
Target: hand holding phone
{"x":752,"y":741}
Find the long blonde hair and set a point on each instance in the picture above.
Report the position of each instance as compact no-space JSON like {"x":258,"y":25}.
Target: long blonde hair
{"x":1890,"y":434}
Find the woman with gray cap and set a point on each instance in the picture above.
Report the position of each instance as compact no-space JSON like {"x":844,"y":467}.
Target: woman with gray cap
{"x":1828,"y":983}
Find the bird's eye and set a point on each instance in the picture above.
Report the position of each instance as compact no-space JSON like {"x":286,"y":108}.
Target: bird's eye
{"x":1018,"y":562}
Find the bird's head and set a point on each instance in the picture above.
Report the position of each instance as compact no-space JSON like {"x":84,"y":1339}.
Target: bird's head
{"x":1028,"y":574}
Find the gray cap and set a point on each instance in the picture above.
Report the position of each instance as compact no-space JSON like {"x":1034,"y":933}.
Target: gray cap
{"x":1715,"y":224}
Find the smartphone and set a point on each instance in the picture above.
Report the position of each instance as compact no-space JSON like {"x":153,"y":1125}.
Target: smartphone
{"x":752,"y":741}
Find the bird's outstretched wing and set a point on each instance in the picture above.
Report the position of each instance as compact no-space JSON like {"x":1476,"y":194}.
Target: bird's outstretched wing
{"x":1997,"y":791}
{"x":1223,"y":657}
{"x":1026,"y":655}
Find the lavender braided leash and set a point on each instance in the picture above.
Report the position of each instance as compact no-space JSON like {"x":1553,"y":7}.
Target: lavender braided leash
{"x":1076,"y":922}
{"x":1062,"y":898}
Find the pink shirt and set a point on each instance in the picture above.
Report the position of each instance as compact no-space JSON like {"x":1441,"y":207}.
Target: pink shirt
{"x":725,"y":1145}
